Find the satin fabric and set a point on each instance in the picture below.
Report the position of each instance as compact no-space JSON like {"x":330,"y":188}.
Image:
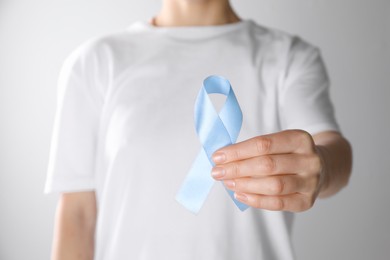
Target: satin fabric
{"x":214,"y":131}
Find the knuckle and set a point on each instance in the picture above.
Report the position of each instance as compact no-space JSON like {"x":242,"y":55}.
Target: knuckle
{"x":277,"y":204}
{"x":303,"y":135}
{"x":277,"y":186}
{"x":316,"y":163}
{"x":235,"y":154}
{"x":258,"y":203}
{"x":267,"y":163}
{"x":236,"y":170}
{"x":301,"y":206}
{"x":305,"y":139}
{"x":232,"y":154}
{"x":263,"y":145}
{"x":310,"y":184}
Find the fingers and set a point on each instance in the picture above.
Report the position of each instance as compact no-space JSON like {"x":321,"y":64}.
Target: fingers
{"x":279,"y":171}
{"x":275,"y":185}
{"x":289,"y":141}
{"x":267,"y":165}
{"x":293,"y":202}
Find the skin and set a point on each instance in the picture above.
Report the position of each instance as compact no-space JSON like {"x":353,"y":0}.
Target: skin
{"x":195,"y":13}
{"x":75,"y":226}
{"x":288,"y":170}
{"x":285,"y":171}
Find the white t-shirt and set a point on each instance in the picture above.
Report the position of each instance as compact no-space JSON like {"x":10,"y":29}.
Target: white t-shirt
{"x":124,"y":128}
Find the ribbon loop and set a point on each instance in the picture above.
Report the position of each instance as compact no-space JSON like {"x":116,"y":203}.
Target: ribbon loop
{"x":214,"y":131}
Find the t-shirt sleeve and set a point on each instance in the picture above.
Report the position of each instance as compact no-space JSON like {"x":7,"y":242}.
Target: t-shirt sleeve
{"x":304,"y":99}
{"x":71,"y":165}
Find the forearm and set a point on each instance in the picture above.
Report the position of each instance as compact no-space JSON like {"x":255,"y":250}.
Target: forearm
{"x":74,"y":233}
{"x":336,"y":154}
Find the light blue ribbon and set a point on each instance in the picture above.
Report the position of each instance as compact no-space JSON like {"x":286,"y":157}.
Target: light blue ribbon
{"x":215,"y":131}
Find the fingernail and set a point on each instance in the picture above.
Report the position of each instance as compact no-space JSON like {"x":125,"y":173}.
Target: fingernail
{"x":219,"y":157}
{"x":240,"y":197}
{"x":218,"y":172}
{"x":230,"y":184}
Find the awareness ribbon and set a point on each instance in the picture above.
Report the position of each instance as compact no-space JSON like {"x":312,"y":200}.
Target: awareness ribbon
{"x":214,"y":131}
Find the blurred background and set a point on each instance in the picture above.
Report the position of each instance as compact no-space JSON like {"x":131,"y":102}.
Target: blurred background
{"x":354,"y":36}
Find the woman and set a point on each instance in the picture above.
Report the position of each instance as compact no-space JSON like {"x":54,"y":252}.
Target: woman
{"x":124,"y":139}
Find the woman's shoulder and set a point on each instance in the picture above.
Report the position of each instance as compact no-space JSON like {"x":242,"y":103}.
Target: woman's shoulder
{"x":281,"y":41}
{"x":109,"y":45}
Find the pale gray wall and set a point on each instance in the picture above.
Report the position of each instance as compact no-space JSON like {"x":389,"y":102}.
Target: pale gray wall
{"x":354,"y":35}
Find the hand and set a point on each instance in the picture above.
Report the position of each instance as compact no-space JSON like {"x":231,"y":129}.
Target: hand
{"x":280,"y":171}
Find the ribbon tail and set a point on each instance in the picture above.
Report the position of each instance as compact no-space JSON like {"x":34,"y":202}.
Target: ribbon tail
{"x":197,"y":184}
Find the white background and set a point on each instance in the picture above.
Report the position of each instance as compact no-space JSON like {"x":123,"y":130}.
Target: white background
{"x":354,"y":36}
